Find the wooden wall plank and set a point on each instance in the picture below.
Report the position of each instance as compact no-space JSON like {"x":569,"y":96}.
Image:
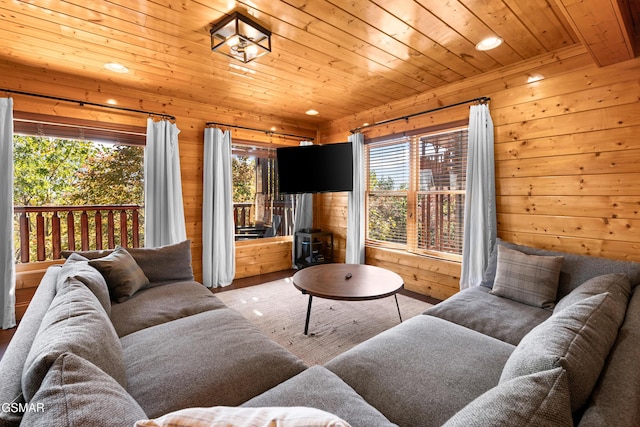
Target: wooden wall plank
{"x":566,"y":148}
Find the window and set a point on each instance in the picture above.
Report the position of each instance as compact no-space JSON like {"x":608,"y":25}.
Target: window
{"x":78,"y":185}
{"x":416,"y":190}
{"x":258,"y":205}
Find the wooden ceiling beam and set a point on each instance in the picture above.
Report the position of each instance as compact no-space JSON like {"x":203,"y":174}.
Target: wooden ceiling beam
{"x":603,"y":26}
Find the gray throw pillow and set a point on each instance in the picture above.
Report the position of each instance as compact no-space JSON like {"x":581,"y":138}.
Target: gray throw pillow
{"x":78,"y":267}
{"x":123,"y":275}
{"x":536,"y":400}
{"x":168,"y":263}
{"x":577,"y":339}
{"x":529,"y":279}
{"x":75,"y":323}
{"x":75,"y":392}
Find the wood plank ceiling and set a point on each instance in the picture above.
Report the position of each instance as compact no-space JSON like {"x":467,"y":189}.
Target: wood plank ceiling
{"x":335,"y":56}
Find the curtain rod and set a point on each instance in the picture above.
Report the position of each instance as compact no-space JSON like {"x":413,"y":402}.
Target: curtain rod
{"x":482,"y":99}
{"x":268,"y":132}
{"x":82,"y":103}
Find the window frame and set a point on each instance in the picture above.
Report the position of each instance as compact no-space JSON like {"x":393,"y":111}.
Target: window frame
{"x":413,"y":192}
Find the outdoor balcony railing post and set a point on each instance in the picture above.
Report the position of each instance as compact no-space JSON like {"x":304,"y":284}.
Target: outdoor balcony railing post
{"x":48,"y":229}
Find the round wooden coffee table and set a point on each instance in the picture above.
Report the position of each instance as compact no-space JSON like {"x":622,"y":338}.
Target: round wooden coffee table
{"x":349,"y":282}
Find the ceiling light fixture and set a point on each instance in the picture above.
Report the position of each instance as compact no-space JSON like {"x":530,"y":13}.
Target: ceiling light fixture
{"x":311,"y":113}
{"x":240,"y":38}
{"x":489,"y":43}
{"x":534,"y":78}
{"x":116,"y":68}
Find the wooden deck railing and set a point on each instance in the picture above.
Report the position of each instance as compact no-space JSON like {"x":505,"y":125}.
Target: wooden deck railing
{"x":43,"y":232}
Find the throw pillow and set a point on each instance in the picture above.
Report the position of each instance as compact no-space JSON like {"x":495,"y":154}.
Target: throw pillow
{"x":78,"y":267}
{"x":168,"y":263}
{"x":617,"y":285}
{"x":74,"y":323}
{"x":536,"y":400}
{"x":295,"y":416}
{"x":577,"y":339}
{"x":123,"y":275}
{"x":75,"y":392}
{"x":529,"y":279}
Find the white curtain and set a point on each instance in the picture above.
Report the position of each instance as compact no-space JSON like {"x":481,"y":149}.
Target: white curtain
{"x":480,"y":224}
{"x":355,"y":206}
{"x":163,"y":209}
{"x":302,"y":216}
{"x":7,"y":263}
{"x":218,"y":229}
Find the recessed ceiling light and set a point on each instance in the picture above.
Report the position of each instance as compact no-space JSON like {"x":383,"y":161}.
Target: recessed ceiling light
{"x":534,"y":78}
{"x":311,"y":113}
{"x":116,"y":68}
{"x":489,"y":43}
{"x":112,"y":102}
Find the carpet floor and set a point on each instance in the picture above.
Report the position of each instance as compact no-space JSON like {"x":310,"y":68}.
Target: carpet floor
{"x":279,"y":310}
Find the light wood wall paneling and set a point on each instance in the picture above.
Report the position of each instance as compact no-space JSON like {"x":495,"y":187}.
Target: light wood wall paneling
{"x":566,"y":154}
{"x":190,"y":119}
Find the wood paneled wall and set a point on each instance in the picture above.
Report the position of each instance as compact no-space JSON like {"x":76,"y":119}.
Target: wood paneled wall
{"x":191,"y":118}
{"x":567,"y":152}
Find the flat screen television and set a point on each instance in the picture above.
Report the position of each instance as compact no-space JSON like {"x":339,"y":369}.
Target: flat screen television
{"x":315,"y":168}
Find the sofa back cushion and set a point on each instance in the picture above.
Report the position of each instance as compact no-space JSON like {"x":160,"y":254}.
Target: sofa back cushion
{"x":615,"y":284}
{"x":577,"y":338}
{"x":169,"y":263}
{"x":75,"y":323}
{"x":75,"y":392}
{"x":615,"y":401}
{"x":576,"y":269}
{"x":540,"y":399}
{"x":78,"y":267}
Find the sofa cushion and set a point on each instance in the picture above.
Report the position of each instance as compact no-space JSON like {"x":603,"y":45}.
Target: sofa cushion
{"x":160,"y":265}
{"x":576,"y":269}
{"x":123,"y":275}
{"x":75,"y":392}
{"x":78,"y":267}
{"x":501,"y":318}
{"x":214,"y":358}
{"x":320,"y":388}
{"x":75,"y":323}
{"x":536,"y":400}
{"x":164,"y":264}
{"x":615,"y":400}
{"x":616,"y":284}
{"x":423,"y":371}
{"x":12,"y":362}
{"x":160,"y":304}
{"x":577,"y":338}
{"x":529,"y":279}
{"x":299,"y":416}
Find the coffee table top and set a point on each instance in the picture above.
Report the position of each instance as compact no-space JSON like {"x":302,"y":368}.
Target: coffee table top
{"x":330,"y":281}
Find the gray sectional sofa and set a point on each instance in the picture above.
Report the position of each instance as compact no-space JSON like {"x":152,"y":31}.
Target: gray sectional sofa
{"x":114,"y":337}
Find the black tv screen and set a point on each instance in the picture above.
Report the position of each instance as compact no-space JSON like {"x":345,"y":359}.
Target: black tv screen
{"x":315,"y":168}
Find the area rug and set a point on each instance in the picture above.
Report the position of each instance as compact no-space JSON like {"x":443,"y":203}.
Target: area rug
{"x":279,"y":310}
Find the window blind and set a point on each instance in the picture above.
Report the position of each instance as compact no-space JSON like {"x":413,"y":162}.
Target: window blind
{"x":415,"y":193}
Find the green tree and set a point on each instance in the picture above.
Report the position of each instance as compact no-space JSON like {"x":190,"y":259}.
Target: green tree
{"x":244,"y":178}
{"x":387,"y":212}
{"x":110,"y":175}
{"x":45,"y":168}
